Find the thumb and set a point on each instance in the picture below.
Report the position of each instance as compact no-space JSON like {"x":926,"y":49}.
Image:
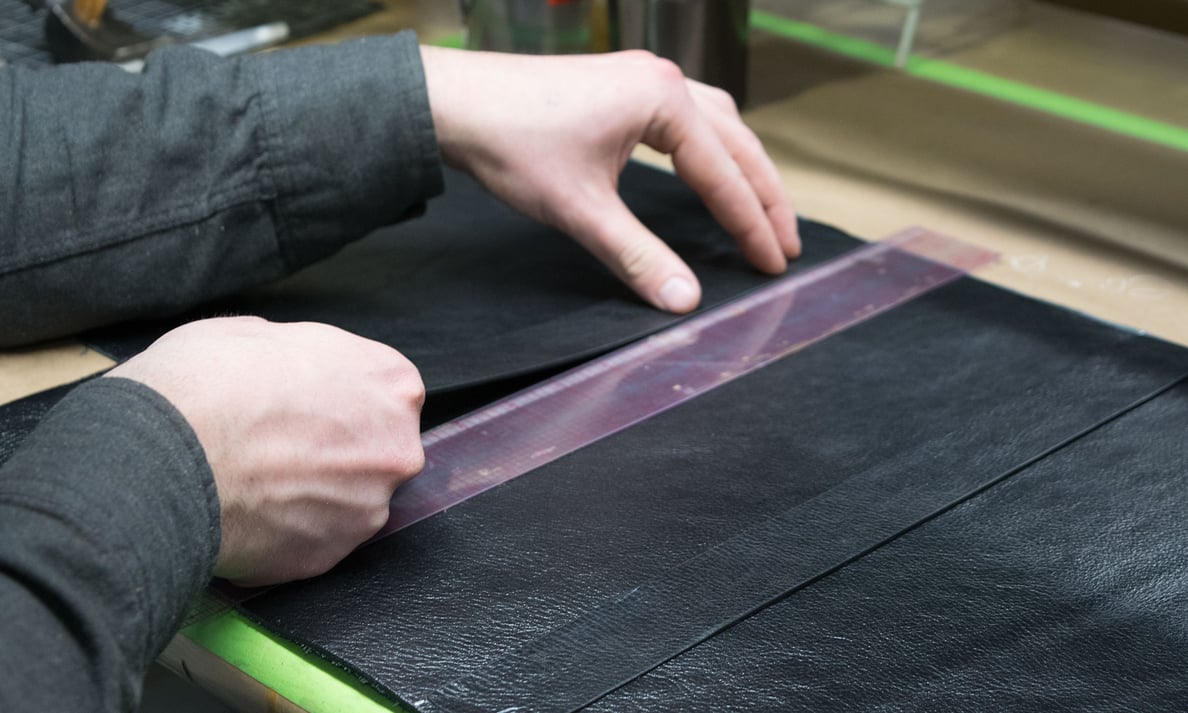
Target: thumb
{"x":609,"y":230}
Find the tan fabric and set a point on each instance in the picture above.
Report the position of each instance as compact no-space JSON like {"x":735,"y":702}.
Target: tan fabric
{"x":1083,"y":217}
{"x":27,"y":371}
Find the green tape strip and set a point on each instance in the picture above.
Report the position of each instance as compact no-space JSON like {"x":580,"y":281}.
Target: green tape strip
{"x":813,"y":35}
{"x":455,"y":41}
{"x":953,"y":75}
{"x":307,"y":680}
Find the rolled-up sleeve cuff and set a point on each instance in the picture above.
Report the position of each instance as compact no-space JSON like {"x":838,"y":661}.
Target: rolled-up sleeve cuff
{"x":350,"y":141}
{"x":112,"y":506}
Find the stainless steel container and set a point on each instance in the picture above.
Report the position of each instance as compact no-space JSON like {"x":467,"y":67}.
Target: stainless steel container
{"x":529,"y":26}
{"x":707,"y":38}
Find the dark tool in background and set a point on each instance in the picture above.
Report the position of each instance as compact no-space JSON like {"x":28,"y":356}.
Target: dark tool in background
{"x":708,"y":39}
{"x":216,"y":25}
{"x":86,"y":30}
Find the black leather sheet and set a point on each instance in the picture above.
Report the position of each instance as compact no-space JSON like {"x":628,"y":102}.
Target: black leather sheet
{"x":18,"y":418}
{"x":473,"y":292}
{"x":1063,"y":589}
{"x":565,"y":584}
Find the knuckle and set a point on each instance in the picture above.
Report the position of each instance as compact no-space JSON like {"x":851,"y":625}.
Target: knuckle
{"x":667,"y":71}
{"x":406,"y":379}
{"x":245,"y":319}
{"x":407,"y":372}
{"x":399,"y":361}
{"x":413,"y":460}
{"x":722,"y":98}
{"x":400,"y":465}
{"x":635,"y":259}
{"x":410,"y":393}
{"x":644,"y":63}
{"x":314,"y":330}
{"x":416,"y":390}
{"x":638,"y":55}
{"x":375,"y":519}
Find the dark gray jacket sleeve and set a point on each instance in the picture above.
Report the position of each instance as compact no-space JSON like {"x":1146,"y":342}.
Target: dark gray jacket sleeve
{"x":137,"y":195}
{"x":109,"y":524}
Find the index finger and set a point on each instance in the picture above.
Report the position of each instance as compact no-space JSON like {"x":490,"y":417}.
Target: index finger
{"x":703,"y":161}
{"x":719,"y":109}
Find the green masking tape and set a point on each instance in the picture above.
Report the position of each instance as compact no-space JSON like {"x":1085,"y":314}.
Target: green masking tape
{"x":308,"y":681}
{"x":972,"y":80}
{"x":455,"y":41}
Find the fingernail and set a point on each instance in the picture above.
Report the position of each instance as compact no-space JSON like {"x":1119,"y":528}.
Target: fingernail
{"x":678,"y":295}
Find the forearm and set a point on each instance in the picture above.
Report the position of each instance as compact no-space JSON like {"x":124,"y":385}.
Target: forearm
{"x":138,"y":195}
{"x":109,"y":524}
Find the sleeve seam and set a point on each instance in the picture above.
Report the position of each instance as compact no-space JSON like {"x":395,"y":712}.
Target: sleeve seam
{"x":271,"y":149}
{"x":169,"y":219}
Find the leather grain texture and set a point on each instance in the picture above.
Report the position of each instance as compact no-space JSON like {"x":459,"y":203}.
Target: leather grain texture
{"x":688,"y":604}
{"x":499,"y":603}
{"x":1064,"y":589}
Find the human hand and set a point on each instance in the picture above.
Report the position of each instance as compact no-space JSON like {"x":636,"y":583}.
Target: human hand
{"x":550,"y":136}
{"x":308,"y":429}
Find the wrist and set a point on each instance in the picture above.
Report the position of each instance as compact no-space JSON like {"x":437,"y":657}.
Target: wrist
{"x":443,"y":81}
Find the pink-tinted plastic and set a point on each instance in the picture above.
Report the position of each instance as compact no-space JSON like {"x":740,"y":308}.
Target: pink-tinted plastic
{"x":522,"y":432}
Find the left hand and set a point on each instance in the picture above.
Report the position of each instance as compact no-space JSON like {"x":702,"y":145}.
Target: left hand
{"x":550,"y":136}
{"x":308,"y":430}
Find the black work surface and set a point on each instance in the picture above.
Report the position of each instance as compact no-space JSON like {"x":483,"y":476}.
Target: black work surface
{"x":967,"y":502}
{"x":18,"y":418}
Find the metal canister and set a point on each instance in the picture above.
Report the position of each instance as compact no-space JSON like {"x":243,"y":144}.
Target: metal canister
{"x":530,"y":26}
{"x":706,"y":38}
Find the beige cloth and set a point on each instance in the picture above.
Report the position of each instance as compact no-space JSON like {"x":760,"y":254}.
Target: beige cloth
{"x":1082,"y":217}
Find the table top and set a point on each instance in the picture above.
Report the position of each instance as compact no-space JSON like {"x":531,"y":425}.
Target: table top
{"x":871,"y":151}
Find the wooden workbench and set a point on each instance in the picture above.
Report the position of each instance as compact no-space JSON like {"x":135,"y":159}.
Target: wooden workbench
{"x":1081,"y":217}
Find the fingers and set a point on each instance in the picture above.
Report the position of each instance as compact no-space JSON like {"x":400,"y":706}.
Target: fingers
{"x":701,"y":159}
{"x":746,"y":150}
{"x":608,"y":229}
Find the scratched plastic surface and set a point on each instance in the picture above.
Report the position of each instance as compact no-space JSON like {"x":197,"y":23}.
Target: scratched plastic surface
{"x":522,"y":432}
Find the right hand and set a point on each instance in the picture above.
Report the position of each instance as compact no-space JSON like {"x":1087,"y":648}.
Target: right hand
{"x":308,"y":429}
{"x":550,"y":136}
